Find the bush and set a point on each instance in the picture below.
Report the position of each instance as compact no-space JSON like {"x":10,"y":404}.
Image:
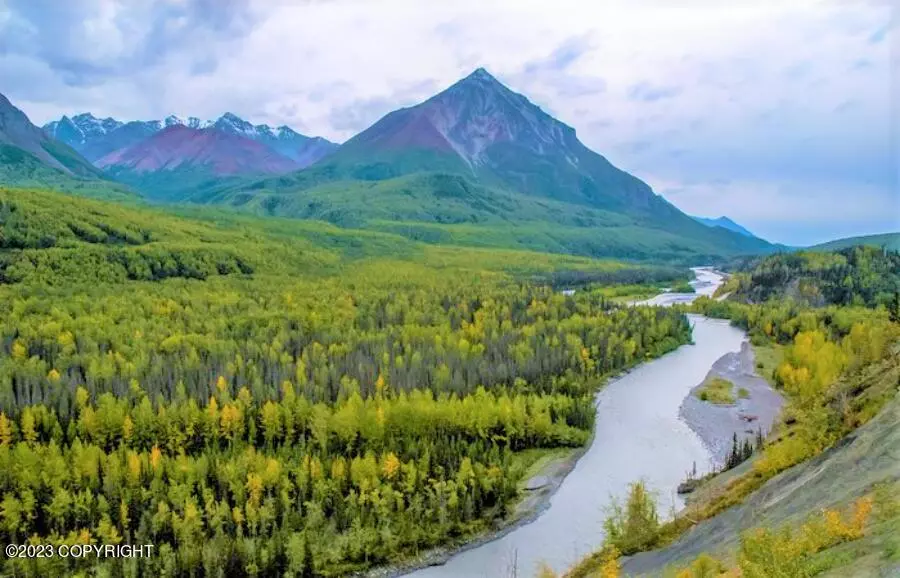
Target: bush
{"x":634,"y":528}
{"x":717,"y":391}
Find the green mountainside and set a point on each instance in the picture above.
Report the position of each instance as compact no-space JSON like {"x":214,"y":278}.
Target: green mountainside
{"x":886,"y":241}
{"x":480,"y":164}
{"x":30,"y":158}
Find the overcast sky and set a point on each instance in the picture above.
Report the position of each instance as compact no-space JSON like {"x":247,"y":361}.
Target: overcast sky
{"x":781,"y":115}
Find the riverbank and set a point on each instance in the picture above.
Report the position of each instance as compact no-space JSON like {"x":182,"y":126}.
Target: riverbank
{"x":538,"y":488}
{"x":755,"y":408}
{"x":559,"y":517}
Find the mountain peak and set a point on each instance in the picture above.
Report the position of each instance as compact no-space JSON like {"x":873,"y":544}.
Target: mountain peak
{"x":470,"y":117}
{"x":481,"y":73}
{"x":480,"y":79}
{"x":725,"y":223}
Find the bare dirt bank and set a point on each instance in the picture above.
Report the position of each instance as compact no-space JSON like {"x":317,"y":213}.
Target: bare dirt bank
{"x":716,"y":424}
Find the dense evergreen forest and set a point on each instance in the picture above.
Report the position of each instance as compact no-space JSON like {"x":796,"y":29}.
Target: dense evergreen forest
{"x":283,"y":398}
{"x":858,"y":275}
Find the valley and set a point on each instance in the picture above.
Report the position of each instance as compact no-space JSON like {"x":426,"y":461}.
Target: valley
{"x":415,"y":309}
{"x":637,"y":434}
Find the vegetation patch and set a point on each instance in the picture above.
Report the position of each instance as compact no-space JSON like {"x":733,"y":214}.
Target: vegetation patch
{"x":718,"y":391}
{"x":684,"y":288}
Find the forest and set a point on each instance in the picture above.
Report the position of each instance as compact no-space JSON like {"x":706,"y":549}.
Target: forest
{"x":284,"y":398}
{"x":858,"y":275}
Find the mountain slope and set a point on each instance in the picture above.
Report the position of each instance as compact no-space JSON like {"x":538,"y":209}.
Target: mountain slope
{"x":886,"y":240}
{"x":303,"y":150}
{"x":85,"y":133}
{"x":725,"y":223}
{"x":29,"y":157}
{"x":17,"y":131}
{"x":179,"y":158}
{"x":478,"y":154}
{"x":480,"y":128}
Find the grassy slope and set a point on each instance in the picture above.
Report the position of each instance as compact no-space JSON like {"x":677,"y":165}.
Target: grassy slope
{"x":848,"y":470}
{"x":21,"y":169}
{"x":888,"y":240}
{"x":69,"y":158}
{"x":62,"y":229}
{"x":835,"y":478}
{"x":173,"y":185}
{"x":451,"y":208}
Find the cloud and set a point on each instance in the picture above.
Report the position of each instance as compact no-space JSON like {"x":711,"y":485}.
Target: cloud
{"x":648,"y":93}
{"x":88,"y":42}
{"x":879,"y":35}
{"x":562,"y":57}
{"x":682,"y":95}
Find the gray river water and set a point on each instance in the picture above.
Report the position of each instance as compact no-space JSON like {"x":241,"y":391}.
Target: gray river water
{"x":638,"y":435}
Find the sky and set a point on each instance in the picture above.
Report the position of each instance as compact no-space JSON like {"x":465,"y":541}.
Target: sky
{"x":782,"y":115}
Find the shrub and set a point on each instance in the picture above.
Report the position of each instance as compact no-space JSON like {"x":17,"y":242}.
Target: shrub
{"x":634,"y":528}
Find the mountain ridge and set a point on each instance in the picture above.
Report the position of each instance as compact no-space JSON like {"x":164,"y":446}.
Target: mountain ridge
{"x":95,"y":138}
{"x":725,"y":223}
{"x":890,"y":241}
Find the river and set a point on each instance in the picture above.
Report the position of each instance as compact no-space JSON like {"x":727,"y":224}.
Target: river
{"x":638,"y":435}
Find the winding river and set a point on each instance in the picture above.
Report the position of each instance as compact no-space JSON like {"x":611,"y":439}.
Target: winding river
{"x":638,"y":435}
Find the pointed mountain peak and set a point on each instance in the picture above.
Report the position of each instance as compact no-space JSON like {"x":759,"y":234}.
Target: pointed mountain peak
{"x":481,"y":73}
{"x":481,"y":79}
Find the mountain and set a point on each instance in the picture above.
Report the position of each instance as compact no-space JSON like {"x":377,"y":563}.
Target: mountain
{"x":29,"y":157}
{"x":480,"y":128}
{"x":887,"y":240}
{"x":95,"y":138}
{"x":17,"y":131}
{"x":725,"y":223}
{"x":81,"y":129}
{"x":179,"y":158}
{"x":303,"y":150}
{"x":480,"y":164}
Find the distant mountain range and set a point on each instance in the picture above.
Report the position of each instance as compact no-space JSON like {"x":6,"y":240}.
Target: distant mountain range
{"x":725,"y":223}
{"x":96,"y":138}
{"x":476,"y":164}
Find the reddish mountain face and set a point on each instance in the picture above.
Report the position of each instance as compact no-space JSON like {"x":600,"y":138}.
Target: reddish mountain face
{"x":480,"y":128}
{"x":179,"y":146}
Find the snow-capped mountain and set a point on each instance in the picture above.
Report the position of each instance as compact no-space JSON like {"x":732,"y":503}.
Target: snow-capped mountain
{"x":82,"y":130}
{"x":301,"y":149}
{"x":96,"y":138}
{"x":180,"y":145}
